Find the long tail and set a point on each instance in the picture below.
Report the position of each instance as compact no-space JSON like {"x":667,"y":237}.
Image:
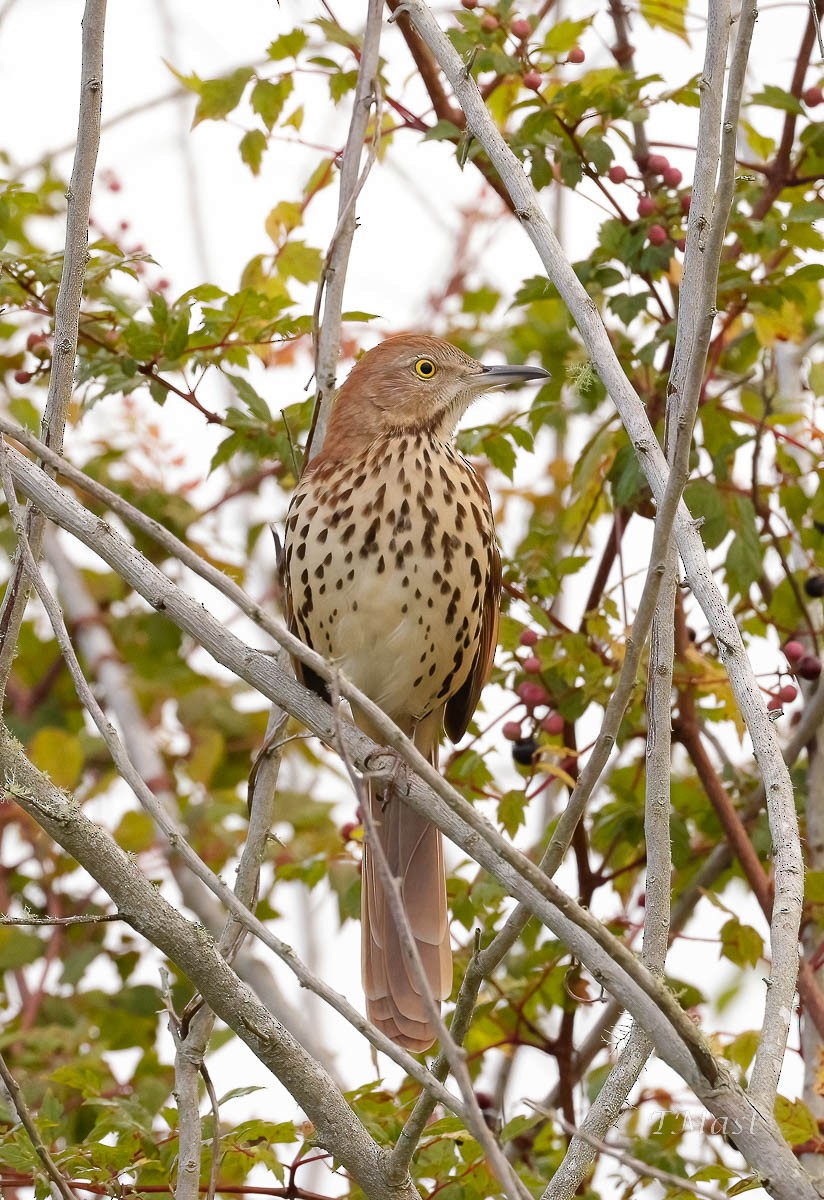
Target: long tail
{"x":414,"y":851}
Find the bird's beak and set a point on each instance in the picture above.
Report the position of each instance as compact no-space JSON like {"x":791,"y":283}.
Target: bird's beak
{"x":501,"y":377}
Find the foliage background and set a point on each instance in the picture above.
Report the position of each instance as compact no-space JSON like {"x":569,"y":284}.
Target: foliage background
{"x":229,"y":297}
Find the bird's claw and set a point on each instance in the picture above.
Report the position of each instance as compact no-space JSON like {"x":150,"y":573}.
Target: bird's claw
{"x":372,"y":765}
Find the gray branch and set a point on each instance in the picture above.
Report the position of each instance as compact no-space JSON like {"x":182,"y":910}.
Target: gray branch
{"x":67,"y":308}
{"x":780,"y":804}
{"x":674,"y":1035}
{"x":333,"y":276}
{"x":195,"y":953}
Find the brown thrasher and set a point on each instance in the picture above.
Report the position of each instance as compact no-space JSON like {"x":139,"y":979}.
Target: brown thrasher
{"x":393,"y":574}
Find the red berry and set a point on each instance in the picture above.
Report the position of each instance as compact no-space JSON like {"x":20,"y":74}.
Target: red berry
{"x":553,"y":724}
{"x":532,"y":665}
{"x":617,"y":174}
{"x":35,"y":339}
{"x":528,"y":637}
{"x":657,"y":164}
{"x":788,"y":693}
{"x":162,"y":285}
{"x":520,"y":28}
{"x":490,"y":23}
{"x":576,"y":55}
{"x":533,"y":80}
{"x":532,"y":694}
{"x":646,"y":206}
{"x":115,"y":185}
{"x":686,"y":201}
{"x":22,"y":376}
{"x":812,"y":97}
{"x":512,"y":731}
{"x":774,"y":704}
{"x":672,"y":177}
{"x":348,"y":829}
{"x":809,"y":667}
{"x":681,"y":244}
{"x":794,"y":651}
{"x":469,"y":3}
{"x":656,"y":235}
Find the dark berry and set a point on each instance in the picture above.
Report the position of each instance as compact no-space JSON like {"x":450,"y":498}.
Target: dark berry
{"x":512,"y":731}
{"x":809,"y":667}
{"x":814,"y":586}
{"x":524,"y":750}
{"x":22,"y":376}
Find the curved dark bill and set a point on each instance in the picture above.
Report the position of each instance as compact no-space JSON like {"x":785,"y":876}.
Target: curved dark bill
{"x":504,"y":375}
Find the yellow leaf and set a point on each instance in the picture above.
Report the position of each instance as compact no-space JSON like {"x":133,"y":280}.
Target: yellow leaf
{"x":59,"y":755}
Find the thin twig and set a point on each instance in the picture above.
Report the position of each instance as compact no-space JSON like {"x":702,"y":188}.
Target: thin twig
{"x":28,"y":1123}
{"x":82,"y":919}
{"x":66,"y":310}
{"x":642,"y":1169}
{"x":333,"y":279}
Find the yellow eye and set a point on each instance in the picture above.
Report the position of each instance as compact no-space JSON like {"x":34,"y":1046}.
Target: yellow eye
{"x":425,"y":368}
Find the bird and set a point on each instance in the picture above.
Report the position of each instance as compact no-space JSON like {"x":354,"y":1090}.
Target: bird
{"x":392,"y":572}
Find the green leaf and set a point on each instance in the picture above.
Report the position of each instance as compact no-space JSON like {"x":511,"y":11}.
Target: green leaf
{"x":18,"y":947}
{"x":252,"y":146}
{"x":796,"y":1122}
{"x":288,"y":45}
{"x":268,"y":99}
{"x":340,"y":83}
{"x":254,"y":402}
{"x":59,"y":754}
{"x":667,"y":14}
{"x":741,"y":944}
{"x":776,"y":97}
{"x":218,"y":97}
{"x":298,"y":261}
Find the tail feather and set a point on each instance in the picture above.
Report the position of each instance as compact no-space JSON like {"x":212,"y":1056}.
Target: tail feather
{"x":414,"y":851}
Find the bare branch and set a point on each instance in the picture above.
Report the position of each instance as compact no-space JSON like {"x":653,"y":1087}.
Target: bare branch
{"x":642,"y":1169}
{"x":333,"y":278}
{"x":67,"y":307}
{"x":196,"y":954}
{"x":675,"y":1036}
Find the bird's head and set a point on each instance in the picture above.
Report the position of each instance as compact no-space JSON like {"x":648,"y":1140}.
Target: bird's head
{"x":411,"y":383}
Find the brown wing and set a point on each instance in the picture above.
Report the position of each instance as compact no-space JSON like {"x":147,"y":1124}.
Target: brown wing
{"x":460,"y":707}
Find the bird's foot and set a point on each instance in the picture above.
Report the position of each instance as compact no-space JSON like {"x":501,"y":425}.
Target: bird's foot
{"x":374,"y":765}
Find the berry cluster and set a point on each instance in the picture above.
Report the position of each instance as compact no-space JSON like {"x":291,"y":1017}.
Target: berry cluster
{"x":521,"y":29}
{"x":536,"y":699}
